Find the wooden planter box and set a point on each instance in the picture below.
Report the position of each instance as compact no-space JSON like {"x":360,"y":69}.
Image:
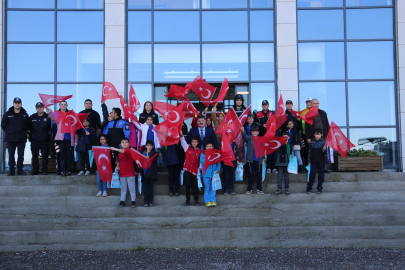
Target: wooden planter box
{"x":351,"y":164}
{"x":51,"y":165}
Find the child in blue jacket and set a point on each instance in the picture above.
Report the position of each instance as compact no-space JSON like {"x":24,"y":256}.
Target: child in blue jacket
{"x":209,"y":194}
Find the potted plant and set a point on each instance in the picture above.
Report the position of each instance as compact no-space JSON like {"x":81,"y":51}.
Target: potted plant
{"x":359,"y":160}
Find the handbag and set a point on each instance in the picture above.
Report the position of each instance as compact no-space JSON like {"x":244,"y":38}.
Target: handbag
{"x":181,"y":177}
{"x":308,"y":167}
{"x":263,"y":171}
{"x":200,"y":185}
{"x":297,"y":147}
{"x":239,"y":172}
{"x":115,"y":181}
{"x":293,"y":165}
{"x":216,"y":182}
{"x":140,"y":184}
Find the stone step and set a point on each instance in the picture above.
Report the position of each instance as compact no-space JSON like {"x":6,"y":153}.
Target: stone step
{"x":335,"y":197}
{"x":199,"y":237}
{"x":192,"y":222}
{"x":91,"y":190}
{"x":389,"y":209}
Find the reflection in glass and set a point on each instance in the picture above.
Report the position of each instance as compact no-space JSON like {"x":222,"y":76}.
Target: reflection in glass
{"x":140,"y":4}
{"x":139,"y":26}
{"x":176,"y":4}
{"x":81,"y":4}
{"x":30,"y":25}
{"x":206,"y":4}
{"x":321,"y":61}
{"x":81,"y":92}
{"x":30,"y":62}
{"x":224,"y":25}
{"x":80,"y":26}
{"x":225,"y":61}
{"x":331,"y":97}
{"x":139,"y":62}
{"x":262,"y":61}
{"x":382,"y":140}
{"x":370,"y":60}
{"x":320,"y":24}
{"x":261,"y":3}
{"x":80,"y":62}
{"x":31,"y":4}
{"x":362,"y":100}
{"x":319,"y":3}
{"x":368,"y":3}
{"x":260,"y":92}
{"x":143,"y":93}
{"x":261,"y":25}
{"x":369,"y":23}
{"x":169,"y":26}
{"x":176,"y":62}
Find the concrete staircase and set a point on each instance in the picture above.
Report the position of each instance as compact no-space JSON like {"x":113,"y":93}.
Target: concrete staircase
{"x":63,"y":213}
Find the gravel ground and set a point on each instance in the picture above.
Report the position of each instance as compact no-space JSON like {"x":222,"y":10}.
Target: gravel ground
{"x":294,"y":258}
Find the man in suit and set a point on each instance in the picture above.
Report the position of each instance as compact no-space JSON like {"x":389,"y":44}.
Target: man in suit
{"x":206,"y":134}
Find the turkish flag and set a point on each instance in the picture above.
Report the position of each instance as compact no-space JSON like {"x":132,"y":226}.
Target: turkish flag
{"x":163,"y":108}
{"x":204,"y":90}
{"x":307,"y":114}
{"x":230,"y":124}
{"x":103,"y":161}
{"x":243,"y":116}
{"x":222,"y":92}
{"x":281,"y":117}
{"x":213,"y":156}
{"x":70,"y":123}
{"x":271,"y":129}
{"x":268,"y":147}
{"x":82,"y":116}
{"x":178,"y":91}
{"x":227,"y":147}
{"x":188,"y":109}
{"x":49,"y":100}
{"x":167,"y":133}
{"x":109,"y":92}
{"x":128,"y":113}
{"x":140,"y":159}
{"x":338,"y":141}
{"x":134,"y":102}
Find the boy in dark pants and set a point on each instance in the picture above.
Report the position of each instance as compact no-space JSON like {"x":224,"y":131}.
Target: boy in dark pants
{"x":191,"y":167}
{"x":149,"y":175}
{"x":85,"y":138}
{"x":316,"y":158}
{"x":284,"y":153}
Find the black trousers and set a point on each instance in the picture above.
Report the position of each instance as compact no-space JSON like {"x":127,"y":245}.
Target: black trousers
{"x":11,"y":146}
{"x":174,"y":177}
{"x":190,"y":182}
{"x":35,"y":146}
{"x":84,"y":161}
{"x":65,"y":156}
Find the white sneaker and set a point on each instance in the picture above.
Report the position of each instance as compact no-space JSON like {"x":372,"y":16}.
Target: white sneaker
{"x":81,"y":173}
{"x":87,"y":173}
{"x":268,"y":170}
{"x":99,"y":193}
{"x":104,"y":193}
{"x":275,"y":171}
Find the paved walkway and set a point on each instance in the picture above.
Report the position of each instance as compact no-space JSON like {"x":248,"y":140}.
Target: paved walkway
{"x":297,"y":258}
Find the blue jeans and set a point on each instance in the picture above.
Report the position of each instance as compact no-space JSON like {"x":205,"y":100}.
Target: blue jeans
{"x":316,"y":166}
{"x":254,"y":168}
{"x":297,"y":153}
{"x":102,"y":186}
{"x":209,"y":194}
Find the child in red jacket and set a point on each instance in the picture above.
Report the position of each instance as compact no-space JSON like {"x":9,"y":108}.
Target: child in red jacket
{"x":191,"y":166}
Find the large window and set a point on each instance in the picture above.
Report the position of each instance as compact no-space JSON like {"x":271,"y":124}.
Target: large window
{"x":173,"y":41}
{"x":54,"y":47}
{"x":346,"y":61}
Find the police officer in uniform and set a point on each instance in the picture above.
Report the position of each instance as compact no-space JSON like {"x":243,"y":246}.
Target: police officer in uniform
{"x":116,"y":130}
{"x":16,"y":123}
{"x":40,"y":124}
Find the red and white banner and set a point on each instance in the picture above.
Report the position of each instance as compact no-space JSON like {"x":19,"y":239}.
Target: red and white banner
{"x":203,"y":90}
{"x":140,"y":159}
{"x":49,"y":100}
{"x":103,"y":161}
{"x":134,"y":102}
{"x":109,"y":92}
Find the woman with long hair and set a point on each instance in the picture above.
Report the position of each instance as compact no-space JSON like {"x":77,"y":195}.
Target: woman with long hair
{"x":148,"y":111}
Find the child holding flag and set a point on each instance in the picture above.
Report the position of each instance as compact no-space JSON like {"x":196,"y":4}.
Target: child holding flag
{"x":102,"y":186}
{"x":284,"y":153}
{"x":149,"y":175}
{"x":316,"y":159}
{"x":85,"y":138}
{"x":190,"y":167}
{"x":209,"y":194}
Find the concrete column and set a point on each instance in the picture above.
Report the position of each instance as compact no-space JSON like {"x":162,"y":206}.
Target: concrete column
{"x":287,"y":60}
{"x":400,"y":46}
{"x":114,"y":48}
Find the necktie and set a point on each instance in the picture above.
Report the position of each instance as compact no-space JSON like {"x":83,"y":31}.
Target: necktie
{"x":201,"y":135}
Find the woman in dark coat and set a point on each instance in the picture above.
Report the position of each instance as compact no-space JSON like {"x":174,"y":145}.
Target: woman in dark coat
{"x":148,"y":111}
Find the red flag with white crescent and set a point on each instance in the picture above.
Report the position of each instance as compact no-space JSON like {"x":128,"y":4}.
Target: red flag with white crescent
{"x":178,"y":91}
{"x":128,"y":113}
{"x":307,"y":114}
{"x":230,"y":124}
{"x":134,"y":102}
{"x":188,"y":109}
{"x":167,"y":133}
{"x":140,"y":159}
{"x":108,"y":92}
{"x":49,"y":100}
{"x":213,"y":156}
{"x":243,"y":116}
{"x":338,"y":141}
{"x":69,"y":121}
{"x":271,"y":128}
{"x":268,"y":147}
{"x":281,"y":116}
{"x":203,"y":90}
{"x":227,"y":147}
{"x":103,"y":161}
{"x":222,"y":92}
{"x":163,"y":108}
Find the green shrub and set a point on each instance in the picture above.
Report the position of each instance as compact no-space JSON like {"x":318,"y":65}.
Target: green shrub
{"x":360,"y":153}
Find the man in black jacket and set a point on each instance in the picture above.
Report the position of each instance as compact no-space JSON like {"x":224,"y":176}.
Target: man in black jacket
{"x":94,"y":116}
{"x":16,"y":123}
{"x":40,"y":124}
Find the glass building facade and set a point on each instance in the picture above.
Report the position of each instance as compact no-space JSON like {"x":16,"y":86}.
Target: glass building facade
{"x":342,"y":52}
